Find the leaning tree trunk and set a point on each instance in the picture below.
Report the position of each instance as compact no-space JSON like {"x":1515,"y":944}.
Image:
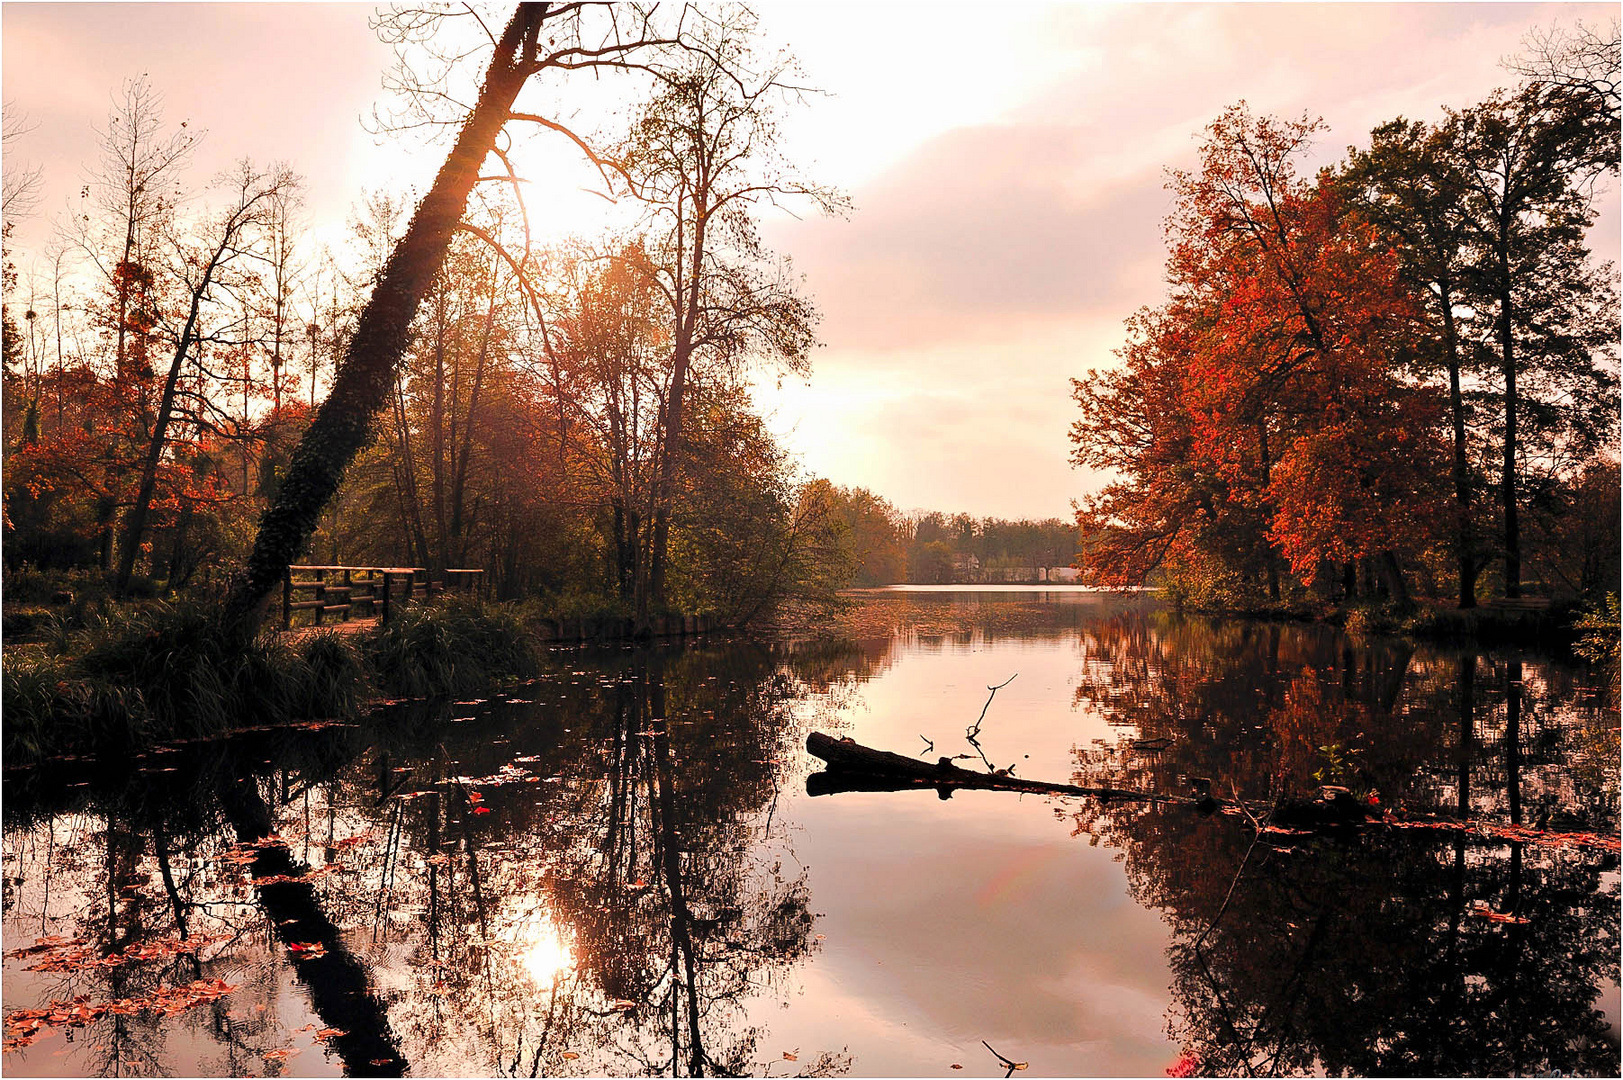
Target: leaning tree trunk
{"x":343,"y":424}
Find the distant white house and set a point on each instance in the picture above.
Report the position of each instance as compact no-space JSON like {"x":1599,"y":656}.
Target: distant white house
{"x":1064,"y":575}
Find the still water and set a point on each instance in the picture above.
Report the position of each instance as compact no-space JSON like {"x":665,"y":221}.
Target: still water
{"x":616,"y":869}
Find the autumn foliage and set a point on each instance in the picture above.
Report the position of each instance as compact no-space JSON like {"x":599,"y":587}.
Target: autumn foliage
{"x":1273,"y":422}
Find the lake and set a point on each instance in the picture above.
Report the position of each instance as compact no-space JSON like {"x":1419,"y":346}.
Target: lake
{"x":617,"y":868}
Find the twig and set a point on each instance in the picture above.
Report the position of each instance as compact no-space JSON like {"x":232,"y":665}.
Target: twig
{"x":1012,"y":1065}
{"x":1256,"y":836}
{"x":975,"y":728}
{"x":929,"y":746}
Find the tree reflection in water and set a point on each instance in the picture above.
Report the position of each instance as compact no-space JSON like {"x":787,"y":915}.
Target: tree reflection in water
{"x":1395,"y":952}
{"x":586,"y":881}
{"x":597,"y":877}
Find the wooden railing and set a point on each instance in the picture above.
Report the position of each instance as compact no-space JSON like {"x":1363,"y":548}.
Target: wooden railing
{"x":343,"y":591}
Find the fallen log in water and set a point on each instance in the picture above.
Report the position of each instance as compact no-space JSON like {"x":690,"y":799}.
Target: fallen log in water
{"x":854,"y":767}
{"x":1333,"y":810}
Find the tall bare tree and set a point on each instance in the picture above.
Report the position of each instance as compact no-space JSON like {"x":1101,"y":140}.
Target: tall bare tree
{"x":1526,"y":159}
{"x":704,"y":157}
{"x":238,"y":234}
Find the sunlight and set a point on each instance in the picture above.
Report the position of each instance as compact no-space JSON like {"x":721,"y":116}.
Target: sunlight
{"x":545,"y":955}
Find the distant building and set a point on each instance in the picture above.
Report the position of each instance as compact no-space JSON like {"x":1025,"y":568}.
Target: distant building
{"x":1064,"y":575}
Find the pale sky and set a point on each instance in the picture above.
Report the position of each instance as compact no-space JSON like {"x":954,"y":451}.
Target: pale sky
{"x":1005,"y":161}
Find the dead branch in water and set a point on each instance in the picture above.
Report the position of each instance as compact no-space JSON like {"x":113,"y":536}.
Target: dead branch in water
{"x":854,"y":767}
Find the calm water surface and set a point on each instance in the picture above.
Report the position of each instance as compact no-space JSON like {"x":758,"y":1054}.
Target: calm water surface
{"x":617,"y":869}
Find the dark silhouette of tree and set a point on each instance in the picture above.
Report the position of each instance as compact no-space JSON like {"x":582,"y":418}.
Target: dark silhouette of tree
{"x":205,"y":271}
{"x":1526,"y":158}
{"x":1410,"y":185}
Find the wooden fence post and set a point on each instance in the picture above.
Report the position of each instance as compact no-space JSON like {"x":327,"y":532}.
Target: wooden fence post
{"x":287,"y":599}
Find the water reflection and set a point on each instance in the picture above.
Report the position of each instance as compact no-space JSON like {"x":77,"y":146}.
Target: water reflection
{"x":600,"y":893}
{"x":616,"y":869}
{"x":1399,"y":952}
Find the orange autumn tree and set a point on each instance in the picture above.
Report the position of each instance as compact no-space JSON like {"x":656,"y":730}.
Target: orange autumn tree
{"x":1263,"y":420}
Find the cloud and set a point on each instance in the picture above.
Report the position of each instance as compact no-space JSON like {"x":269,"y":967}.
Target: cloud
{"x":977,"y":227}
{"x":993,"y":260}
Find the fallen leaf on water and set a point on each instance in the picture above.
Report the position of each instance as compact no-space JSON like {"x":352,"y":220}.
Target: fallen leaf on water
{"x":481,"y":809}
{"x":569,"y":1055}
{"x":1483,"y":911}
{"x":329,"y":1033}
{"x":955,"y":1065}
{"x":787,"y":1056}
{"x":24,"y":1026}
{"x":380,"y":1061}
{"x":622,"y":1004}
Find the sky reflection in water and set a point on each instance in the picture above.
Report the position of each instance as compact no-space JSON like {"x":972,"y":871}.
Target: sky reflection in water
{"x":617,"y":869}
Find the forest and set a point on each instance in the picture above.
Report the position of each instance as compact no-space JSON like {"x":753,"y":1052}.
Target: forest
{"x":557,"y":417}
{"x":572,"y":420}
{"x":1395,"y":376}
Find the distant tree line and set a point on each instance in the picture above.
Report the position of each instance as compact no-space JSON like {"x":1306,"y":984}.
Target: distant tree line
{"x":1398,"y":374}
{"x":886,"y":547}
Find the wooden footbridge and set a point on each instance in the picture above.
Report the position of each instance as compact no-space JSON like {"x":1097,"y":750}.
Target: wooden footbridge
{"x":340,"y":594}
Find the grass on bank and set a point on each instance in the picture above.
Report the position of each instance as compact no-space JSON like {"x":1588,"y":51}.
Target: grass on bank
{"x":167,"y":671}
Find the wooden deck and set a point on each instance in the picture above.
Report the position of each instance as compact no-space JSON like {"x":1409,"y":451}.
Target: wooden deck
{"x":351,"y":626}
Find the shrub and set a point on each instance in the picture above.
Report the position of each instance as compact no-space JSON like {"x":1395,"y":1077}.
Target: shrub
{"x":1598,"y":633}
{"x":337,"y":679}
{"x":166,"y":671}
{"x":456,"y":645}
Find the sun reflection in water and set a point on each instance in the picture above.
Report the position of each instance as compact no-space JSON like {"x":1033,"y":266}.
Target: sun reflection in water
{"x":543,"y":952}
